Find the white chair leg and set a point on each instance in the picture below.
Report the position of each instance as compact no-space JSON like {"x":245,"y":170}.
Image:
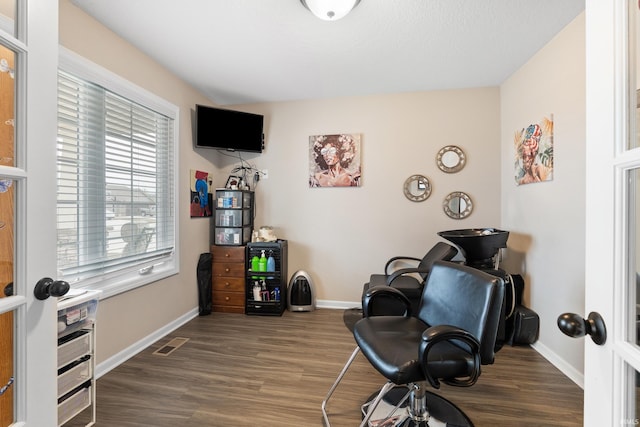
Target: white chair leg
{"x":335,"y":384}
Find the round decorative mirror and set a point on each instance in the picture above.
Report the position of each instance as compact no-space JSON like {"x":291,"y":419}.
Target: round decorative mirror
{"x":457,"y":205}
{"x":417,"y":188}
{"x":451,"y":159}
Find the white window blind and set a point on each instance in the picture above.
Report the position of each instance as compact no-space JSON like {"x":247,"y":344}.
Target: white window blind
{"x":115,"y":159}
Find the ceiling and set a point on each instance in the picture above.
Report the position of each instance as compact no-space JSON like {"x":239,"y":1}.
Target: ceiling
{"x":247,"y":51}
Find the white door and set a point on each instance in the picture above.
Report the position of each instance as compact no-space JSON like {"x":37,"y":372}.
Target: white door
{"x":28,"y":69}
{"x":612,"y":212}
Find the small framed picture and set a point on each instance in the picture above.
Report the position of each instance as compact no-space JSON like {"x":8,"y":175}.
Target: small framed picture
{"x":233,"y":182}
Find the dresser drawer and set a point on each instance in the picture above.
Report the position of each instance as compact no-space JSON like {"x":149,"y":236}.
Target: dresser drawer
{"x":228,"y":284}
{"x":228,"y":269}
{"x":227,"y":254}
{"x":228,"y":298}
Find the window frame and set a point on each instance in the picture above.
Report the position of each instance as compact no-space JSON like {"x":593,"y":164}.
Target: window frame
{"x":150,"y":271}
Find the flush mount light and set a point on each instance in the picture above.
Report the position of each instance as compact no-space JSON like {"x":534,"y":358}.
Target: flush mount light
{"x":330,"y":10}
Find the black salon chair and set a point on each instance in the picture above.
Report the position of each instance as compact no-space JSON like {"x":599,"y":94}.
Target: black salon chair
{"x":452,"y":335}
{"x":408,"y":280}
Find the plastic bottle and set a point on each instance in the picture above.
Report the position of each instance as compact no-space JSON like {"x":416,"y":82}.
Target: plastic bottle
{"x":271,"y":263}
{"x":262,"y":262}
{"x":254,"y":265}
{"x":257,"y":291}
{"x":277,"y":294}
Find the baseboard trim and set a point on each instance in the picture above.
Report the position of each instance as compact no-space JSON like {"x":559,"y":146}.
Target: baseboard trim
{"x":343,"y":305}
{"x":569,"y":371}
{"x":126,"y":354}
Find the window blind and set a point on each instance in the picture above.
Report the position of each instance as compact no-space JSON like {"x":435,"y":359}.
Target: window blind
{"x":114,"y":170}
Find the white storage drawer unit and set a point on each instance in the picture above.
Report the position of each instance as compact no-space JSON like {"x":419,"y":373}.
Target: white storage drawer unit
{"x":76,"y":362}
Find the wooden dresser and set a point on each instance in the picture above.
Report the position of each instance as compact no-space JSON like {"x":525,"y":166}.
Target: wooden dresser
{"x":228,"y":278}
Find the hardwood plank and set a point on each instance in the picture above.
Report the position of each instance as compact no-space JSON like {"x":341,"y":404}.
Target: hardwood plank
{"x":238,"y":370}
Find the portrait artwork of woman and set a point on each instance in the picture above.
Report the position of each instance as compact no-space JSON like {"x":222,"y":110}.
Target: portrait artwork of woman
{"x":534,"y":153}
{"x":334,"y":160}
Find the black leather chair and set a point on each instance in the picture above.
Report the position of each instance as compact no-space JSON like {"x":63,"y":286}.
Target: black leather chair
{"x":453,"y":334}
{"x":408,"y":280}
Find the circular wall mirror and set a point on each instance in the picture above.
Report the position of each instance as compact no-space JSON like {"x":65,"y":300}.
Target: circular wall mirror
{"x":451,"y":159}
{"x":457,"y":205}
{"x":417,"y":188}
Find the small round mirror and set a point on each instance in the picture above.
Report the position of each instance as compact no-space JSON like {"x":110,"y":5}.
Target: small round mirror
{"x":451,"y":159}
{"x":457,"y":205}
{"x":417,"y":188}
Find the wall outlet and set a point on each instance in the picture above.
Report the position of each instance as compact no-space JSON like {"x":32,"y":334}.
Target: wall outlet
{"x":265,"y":174}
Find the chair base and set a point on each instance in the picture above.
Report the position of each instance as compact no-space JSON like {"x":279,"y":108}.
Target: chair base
{"x":442,"y":411}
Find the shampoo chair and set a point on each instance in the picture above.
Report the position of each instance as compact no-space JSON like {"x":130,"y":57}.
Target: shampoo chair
{"x":409,"y":280}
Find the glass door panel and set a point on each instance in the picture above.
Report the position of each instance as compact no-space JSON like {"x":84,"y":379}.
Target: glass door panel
{"x":7,"y":107}
{"x":634,"y":262}
{"x":7,"y":374}
{"x":7,"y":206}
{"x":8,"y":16}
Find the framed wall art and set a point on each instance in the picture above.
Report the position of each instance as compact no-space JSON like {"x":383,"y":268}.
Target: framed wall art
{"x":534,"y":152}
{"x":334,"y":160}
{"x":201,"y":200}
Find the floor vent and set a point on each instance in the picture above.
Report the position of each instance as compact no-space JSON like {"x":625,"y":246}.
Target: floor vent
{"x":171,"y":346}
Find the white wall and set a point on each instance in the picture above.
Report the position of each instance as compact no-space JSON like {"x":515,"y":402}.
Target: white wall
{"x":547,"y":220}
{"x":342,"y":235}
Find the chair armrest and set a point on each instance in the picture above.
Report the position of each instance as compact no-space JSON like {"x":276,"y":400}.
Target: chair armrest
{"x":383,"y":292}
{"x":436,"y":334}
{"x":398,"y":258}
{"x":402,"y":271}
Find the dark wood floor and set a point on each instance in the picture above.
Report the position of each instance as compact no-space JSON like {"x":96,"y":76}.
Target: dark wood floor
{"x":239,"y":370}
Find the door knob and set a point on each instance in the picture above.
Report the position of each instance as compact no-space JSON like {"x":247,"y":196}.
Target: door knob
{"x":47,"y":287}
{"x":575,"y":326}
{"x":8,"y":289}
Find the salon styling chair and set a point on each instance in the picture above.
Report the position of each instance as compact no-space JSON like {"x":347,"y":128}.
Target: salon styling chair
{"x":452,"y":335}
{"x":408,"y":280}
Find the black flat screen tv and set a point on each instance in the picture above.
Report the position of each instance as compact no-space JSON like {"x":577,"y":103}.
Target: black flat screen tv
{"x":228,"y":129}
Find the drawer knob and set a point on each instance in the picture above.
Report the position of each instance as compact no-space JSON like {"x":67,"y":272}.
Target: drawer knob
{"x":227,"y":255}
{"x":226,"y":298}
{"x":227,"y":284}
{"x":227,"y":270}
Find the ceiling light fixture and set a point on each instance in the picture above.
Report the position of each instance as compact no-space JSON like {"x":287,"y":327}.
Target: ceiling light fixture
{"x":330,"y":10}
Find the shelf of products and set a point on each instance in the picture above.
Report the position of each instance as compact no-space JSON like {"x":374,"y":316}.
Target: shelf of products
{"x":233,"y":217}
{"x":266,"y":291}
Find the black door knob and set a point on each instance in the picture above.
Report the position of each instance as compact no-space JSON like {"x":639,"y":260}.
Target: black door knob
{"x":575,"y":326}
{"x":47,"y":287}
{"x":8,"y":289}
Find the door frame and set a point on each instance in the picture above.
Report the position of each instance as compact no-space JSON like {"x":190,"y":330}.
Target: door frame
{"x":610,"y":218}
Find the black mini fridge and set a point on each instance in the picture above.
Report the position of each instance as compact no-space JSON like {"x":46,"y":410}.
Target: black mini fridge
{"x":271,"y":300}
{"x":301,"y":292}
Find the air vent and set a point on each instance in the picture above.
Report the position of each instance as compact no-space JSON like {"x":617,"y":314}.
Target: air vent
{"x":171,"y":346}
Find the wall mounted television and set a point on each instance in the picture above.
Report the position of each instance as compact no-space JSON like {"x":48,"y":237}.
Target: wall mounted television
{"x":228,"y":129}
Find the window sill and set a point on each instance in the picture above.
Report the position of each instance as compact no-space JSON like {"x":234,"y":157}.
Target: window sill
{"x":113,"y":286}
